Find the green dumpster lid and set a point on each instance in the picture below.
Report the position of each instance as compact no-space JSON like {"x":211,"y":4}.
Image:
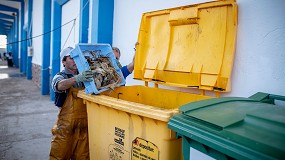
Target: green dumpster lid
{"x":242,"y":128}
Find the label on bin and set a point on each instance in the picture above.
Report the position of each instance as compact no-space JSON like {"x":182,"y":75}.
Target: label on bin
{"x":144,"y":150}
{"x":117,"y":152}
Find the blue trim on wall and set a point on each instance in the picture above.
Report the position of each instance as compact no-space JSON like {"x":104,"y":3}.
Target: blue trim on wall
{"x":5,"y":26}
{"x":13,"y":44}
{"x":7,"y":8}
{"x":23,"y":52}
{"x":29,"y":59}
{"x":2,"y":15}
{"x":29,"y":68}
{"x":16,"y":22}
{"x":16,"y":0}
{"x":9,"y":23}
{"x":61,"y":2}
{"x":94,"y":21}
{"x":23,"y":43}
{"x":6,"y":30}
{"x":56,"y":39}
{"x":30,"y":28}
{"x":102,"y":21}
{"x":105,"y":28}
{"x":3,"y":29}
{"x":46,"y":47}
{"x":84,"y":21}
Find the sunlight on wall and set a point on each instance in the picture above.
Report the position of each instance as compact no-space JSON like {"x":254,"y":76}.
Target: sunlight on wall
{"x":3,"y":41}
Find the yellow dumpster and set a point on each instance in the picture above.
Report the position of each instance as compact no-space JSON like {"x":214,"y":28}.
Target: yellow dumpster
{"x":188,"y":48}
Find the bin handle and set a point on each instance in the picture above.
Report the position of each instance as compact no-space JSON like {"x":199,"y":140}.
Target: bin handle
{"x":277,"y":97}
{"x":266,"y":97}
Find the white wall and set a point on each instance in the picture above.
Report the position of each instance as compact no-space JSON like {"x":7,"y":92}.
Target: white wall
{"x":127,"y":18}
{"x":259,"y":63}
{"x":70,"y":11}
{"x":70,"y":32}
{"x":3,"y":42}
{"x":260,"y":53}
{"x":37,"y":20}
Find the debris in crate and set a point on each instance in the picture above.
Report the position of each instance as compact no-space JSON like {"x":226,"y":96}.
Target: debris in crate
{"x":104,"y":74}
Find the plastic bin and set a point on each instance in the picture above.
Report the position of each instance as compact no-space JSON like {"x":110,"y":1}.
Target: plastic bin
{"x":131,"y":123}
{"x":232,"y":128}
{"x":190,"y":47}
{"x":78,"y":54}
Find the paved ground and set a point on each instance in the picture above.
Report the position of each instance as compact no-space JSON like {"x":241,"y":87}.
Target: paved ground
{"x":26,"y":117}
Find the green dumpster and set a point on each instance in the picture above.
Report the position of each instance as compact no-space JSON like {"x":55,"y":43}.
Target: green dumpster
{"x":232,"y":127}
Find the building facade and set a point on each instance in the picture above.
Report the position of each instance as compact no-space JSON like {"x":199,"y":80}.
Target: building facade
{"x":51,"y":25}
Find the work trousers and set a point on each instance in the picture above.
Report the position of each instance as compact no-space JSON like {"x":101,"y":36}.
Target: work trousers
{"x":70,"y":132}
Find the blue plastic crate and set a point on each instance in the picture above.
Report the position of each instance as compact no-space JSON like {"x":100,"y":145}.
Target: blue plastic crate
{"x":102,"y":50}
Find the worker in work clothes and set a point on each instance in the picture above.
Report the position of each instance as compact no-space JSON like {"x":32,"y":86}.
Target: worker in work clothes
{"x":127,"y":69}
{"x":70,"y":133}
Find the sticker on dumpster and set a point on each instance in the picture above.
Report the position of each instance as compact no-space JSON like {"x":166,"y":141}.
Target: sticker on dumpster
{"x":117,"y":152}
{"x":119,"y":136}
{"x":144,"y":150}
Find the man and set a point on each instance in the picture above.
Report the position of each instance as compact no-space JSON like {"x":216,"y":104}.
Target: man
{"x":4,"y":56}
{"x":70,"y":133}
{"x":9,"y":60}
{"x":126,"y":70}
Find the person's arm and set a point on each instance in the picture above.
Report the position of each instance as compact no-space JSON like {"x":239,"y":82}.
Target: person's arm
{"x":60,"y":84}
{"x":131,"y":65}
{"x":66,"y":83}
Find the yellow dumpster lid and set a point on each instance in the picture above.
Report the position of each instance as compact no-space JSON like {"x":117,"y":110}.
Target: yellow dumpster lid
{"x":190,"y":46}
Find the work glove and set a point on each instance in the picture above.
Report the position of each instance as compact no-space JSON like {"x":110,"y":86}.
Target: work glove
{"x":85,"y":76}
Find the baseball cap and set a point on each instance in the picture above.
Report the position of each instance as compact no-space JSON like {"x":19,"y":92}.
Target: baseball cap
{"x":65,"y":52}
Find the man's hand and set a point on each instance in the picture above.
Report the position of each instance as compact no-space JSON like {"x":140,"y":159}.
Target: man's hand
{"x":85,"y":76}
